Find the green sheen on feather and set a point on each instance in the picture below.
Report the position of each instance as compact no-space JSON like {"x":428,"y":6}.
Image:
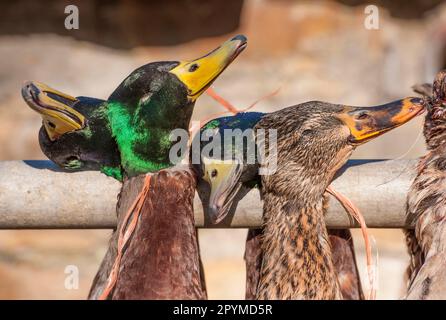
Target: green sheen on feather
{"x":73,"y":164}
{"x":87,"y":133}
{"x":212,"y":124}
{"x":113,"y":172}
{"x":127,"y":135}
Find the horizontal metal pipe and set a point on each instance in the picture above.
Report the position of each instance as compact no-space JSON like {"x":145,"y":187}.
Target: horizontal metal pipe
{"x":37,"y":195}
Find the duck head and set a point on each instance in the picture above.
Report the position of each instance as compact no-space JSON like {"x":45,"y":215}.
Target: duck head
{"x":158,"y":98}
{"x":315,"y":139}
{"x":225,"y":163}
{"x":74,"y":133}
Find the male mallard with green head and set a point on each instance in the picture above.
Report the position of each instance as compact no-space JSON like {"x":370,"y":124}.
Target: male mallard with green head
{"x":158,"y":98}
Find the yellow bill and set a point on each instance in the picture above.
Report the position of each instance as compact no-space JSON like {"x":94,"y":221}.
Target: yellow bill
{"x":55,"y":108}
{"x":366,"y":123}
{"x":197,"y":75}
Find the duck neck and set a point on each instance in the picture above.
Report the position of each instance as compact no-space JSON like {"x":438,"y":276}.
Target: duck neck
{"x":297,"y":261}
{"x":144,"y":142}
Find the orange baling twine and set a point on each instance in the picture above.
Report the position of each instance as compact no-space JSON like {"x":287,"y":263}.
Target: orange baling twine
{"x":127,"y":229}
{"x":222,"y":101}
{"x":355,"y":213}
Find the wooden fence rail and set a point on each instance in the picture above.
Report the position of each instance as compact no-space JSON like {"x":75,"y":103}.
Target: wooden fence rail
{"x":36,"y":195}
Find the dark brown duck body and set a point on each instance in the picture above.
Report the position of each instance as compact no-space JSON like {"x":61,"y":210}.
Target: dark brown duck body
{"x":162,"y":260}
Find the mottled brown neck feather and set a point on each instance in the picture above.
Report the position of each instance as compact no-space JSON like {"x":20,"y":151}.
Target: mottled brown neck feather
{"x":435,"y":126}
{"x":297,"y":262}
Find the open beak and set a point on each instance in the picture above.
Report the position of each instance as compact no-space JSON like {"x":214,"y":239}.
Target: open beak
{"x":366,"y":123}
{"x":55,"y":107}
{"x":197,"y":75}
{"x":223,"y":178}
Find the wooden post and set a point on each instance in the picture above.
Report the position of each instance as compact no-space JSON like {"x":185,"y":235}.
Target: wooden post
{"x":161,"y":260}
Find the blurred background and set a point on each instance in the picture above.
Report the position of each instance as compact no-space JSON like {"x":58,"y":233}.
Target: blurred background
{"x":310,"y":50}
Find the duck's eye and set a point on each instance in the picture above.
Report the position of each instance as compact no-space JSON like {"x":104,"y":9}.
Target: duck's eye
{"x":363,"y":116}
{"x":214,"y":173}
{"x":52,"y":125}
{"x":306,"y":132}
{"x":193,"y":67}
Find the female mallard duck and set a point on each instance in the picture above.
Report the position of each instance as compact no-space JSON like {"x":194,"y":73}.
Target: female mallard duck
{"x":227,"y":179}
{"x":140,"y":114}
{"x":426,"y":201}
{"x":314,"y":140}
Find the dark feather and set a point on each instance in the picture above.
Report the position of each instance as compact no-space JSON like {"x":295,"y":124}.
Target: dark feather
{"x":426,"y":204}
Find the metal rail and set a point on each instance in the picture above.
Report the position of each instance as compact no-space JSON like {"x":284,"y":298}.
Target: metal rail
{"x":37,"y":195}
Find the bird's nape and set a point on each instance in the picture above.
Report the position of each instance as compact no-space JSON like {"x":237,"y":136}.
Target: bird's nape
{"x":55,"y":108}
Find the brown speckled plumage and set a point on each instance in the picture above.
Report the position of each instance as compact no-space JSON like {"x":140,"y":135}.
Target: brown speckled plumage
{"x":253,"y":262}
{"x":343,"y":258}
{"x":314,"y":140}
{"x":426,"y":203}
{"x":162,"y":259}
{"x":297,"y":261}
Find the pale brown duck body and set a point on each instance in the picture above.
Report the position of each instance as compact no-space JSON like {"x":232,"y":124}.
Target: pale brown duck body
{"x":426,"y":203}
{"x":314,"y":140}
